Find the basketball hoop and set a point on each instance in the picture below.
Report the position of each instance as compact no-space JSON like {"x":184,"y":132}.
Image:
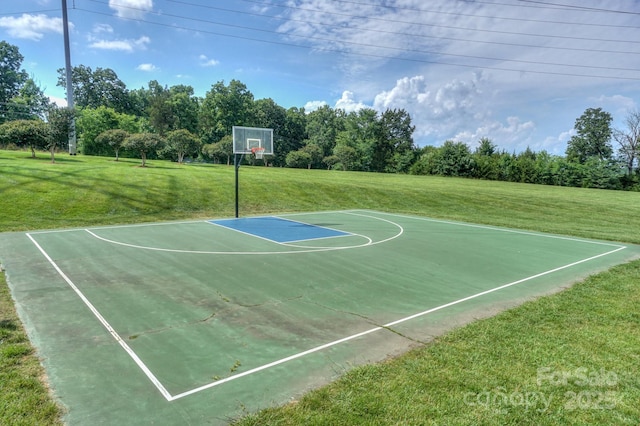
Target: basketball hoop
{"x":258,"y":152}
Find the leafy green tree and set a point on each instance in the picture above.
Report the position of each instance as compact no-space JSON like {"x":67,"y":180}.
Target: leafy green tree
{"x":171,"y":108}
{"x":182,"y":142}
{"x":393,"y":148}
{"x":144,"y":144}
{"x":331,"y":161}
{"x":220,"y":152}
{"x":99,"y":88}
{"x":299,"y":160}
{"x":486,"y":147}
{"x":28,"y":134}
{"x":292,"y":136}
{"x":322,"y":128}
{"x":60,"y":120}
{"x":347,"y":155}
{"x":593,"y":138}
{"x":486,"y":160}
{"x":224,"y":107}
{"x":31,"y":103}
{"x":12,"y":78}
{"x":93,"y":121}
{"x":315,"y":155}
{"x":113,"y":138}
{"x":454,"y":159}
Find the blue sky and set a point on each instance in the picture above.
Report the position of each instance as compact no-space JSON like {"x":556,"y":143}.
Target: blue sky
{"x":516,"y":71}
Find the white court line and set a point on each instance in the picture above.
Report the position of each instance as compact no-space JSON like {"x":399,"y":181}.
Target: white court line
{"x":369,"y":242}
{"x":170,"y":397}
{"x":391,"y":324}
{"x":106,"y":324}
{"x":494,"y":228}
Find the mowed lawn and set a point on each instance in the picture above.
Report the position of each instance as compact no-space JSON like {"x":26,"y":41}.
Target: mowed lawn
{"x":570,"y":358}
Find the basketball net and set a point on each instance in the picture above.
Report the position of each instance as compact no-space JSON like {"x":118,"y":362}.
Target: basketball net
{"x":258,"y":153}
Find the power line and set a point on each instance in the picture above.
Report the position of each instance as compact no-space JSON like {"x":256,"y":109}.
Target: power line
{"x":592,"y":50}
{"x":406,"y":50}
{"x":422,"y":10}
{"x":415,"y":60}
{"x":584,"y":8}
{"x":396,"y":21}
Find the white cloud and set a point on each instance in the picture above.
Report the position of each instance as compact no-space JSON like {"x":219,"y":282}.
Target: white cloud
{"x":438,"y":112}
{"x":314,"y":105}
{"x":131,"y":8}
{"x":206,"y":62}
{"x":147,"y":67}
{"x":348,"y":104}
{"x":102,"y":28}
{"x":31,"y":27}
{"x":58,"y":101}
{"x":123,"y":45}
{"x":515,"y":135}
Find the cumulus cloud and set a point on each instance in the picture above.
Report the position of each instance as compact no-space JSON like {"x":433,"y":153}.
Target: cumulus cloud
{"x":122,"y":45}
{"x":31,"y":27}
{"x":438,"y":111}
{"x":147,"y":67}
{"x":514,"y":135}
{"x":314,"y":105}
{"x":131,"y":8}
{"x":348,"y":104}
{"x":102,"y":28}
{"x":206,"y":62}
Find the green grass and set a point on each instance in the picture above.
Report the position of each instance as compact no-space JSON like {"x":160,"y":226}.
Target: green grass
{"x":593,"y":326}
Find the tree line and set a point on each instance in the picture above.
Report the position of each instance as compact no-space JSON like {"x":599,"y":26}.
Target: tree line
{"x":591,"y":161}
{"x":172,"y":123}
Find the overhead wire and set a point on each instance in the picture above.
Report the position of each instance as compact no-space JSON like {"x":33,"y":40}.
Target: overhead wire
{"x":423,"y":10}
{"x":262,"y":15}
{"x":377,"y":46}
{"x":371,"y":55}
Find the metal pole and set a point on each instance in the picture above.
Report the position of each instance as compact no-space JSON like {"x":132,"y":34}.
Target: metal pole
{"x":67,"y":60}
{"x":236,"y":164}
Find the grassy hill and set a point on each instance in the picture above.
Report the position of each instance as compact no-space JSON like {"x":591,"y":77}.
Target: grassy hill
{"x":593,"y":326}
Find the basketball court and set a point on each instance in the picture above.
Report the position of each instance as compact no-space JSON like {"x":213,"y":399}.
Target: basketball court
{"x":199,"y":322}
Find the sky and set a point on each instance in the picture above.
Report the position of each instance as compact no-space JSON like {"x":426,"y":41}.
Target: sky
{"x":519,"y":72}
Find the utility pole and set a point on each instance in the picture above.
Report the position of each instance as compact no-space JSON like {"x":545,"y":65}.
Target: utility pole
{"x":67,"y":60}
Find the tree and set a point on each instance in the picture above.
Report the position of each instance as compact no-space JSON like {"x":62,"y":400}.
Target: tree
{"x":485,"y":147}
{"x":31,"y":134}
{"x":93,"y":89}
{"x":114,"y":138}
{"x":30,"y":104}
{"x":224,"y":107}
{"x":299,"y":160}
{"x":220,"y":151}
{"x":291,"y":137}
{"x":12,"y":78}
{"x":593,"y":137}
{"x":394,"y":150}
{"x":454,"y":159}
{"x":182,"y":142}
{"x":91,"y":122}
{"x":145,"y":144}
{"x":323,"y":126}
{"x":629,"y":141}
{"x":60,"y":122}
{"x":170,"y":108}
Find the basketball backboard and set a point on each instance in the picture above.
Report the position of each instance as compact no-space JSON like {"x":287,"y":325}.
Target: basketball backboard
{"x":246,"y":139}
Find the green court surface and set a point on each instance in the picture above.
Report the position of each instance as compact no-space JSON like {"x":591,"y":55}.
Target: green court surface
{"x":200,"y":322}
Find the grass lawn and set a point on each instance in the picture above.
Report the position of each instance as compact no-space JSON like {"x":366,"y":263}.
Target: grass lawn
{"x":570,"y":358}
